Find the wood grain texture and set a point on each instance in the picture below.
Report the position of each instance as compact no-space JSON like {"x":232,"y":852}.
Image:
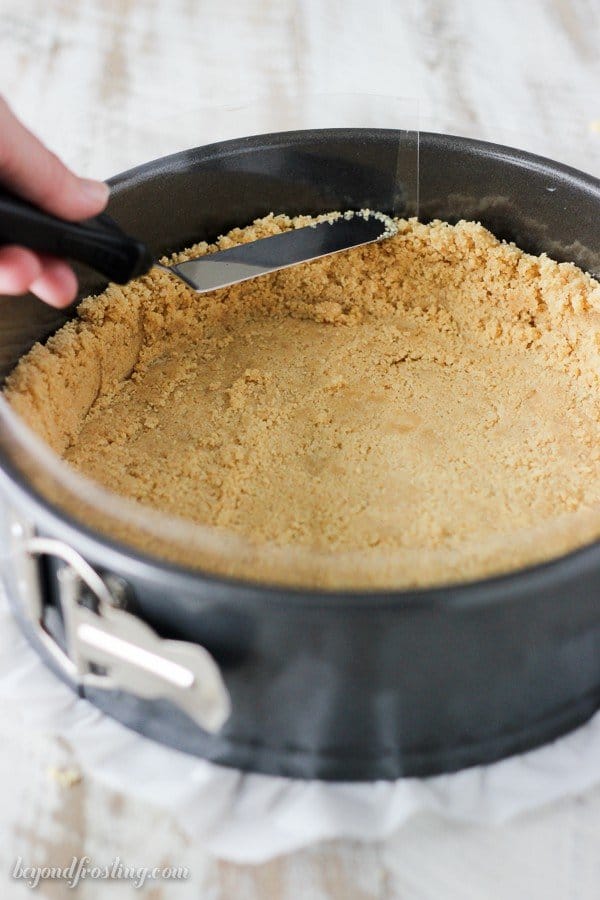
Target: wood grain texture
{"x":112,"y":83}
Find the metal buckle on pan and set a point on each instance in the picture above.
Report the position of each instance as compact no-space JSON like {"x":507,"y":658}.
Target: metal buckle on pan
{"x":111,"y":649}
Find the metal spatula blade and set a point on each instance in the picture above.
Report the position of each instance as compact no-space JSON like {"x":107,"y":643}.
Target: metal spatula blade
{"x":227,"y":267}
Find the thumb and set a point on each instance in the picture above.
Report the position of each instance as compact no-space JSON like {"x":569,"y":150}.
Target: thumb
{"x":32,"y":171}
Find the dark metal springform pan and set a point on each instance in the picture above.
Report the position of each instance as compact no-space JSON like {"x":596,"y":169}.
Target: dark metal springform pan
{"x":312,"y":684}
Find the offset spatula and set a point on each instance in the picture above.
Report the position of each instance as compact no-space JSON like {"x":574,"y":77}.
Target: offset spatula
{"x":102,"y":245}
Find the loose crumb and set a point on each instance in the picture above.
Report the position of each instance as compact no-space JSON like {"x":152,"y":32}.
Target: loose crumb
{"x":65,"y":778}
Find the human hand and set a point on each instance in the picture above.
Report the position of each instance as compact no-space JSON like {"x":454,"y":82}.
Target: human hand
{"x":29,"y":169}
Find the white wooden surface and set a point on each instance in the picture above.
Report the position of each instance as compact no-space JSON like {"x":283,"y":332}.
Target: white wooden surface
{"x":111,"y":83}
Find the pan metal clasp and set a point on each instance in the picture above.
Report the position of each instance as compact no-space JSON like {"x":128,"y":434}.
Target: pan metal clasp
{"x":111,"y":649}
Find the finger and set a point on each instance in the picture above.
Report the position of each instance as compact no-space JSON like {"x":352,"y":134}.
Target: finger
{"x":48,"y":278}
{"x":56,"y":284}
{"x":33,"y":172}
{"x":18,"y":269}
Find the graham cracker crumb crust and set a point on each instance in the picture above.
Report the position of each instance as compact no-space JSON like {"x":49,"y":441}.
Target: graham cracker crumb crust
{"x":425,"y":409}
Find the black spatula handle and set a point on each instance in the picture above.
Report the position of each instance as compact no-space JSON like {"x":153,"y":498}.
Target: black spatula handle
{"x":97,"y":242}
